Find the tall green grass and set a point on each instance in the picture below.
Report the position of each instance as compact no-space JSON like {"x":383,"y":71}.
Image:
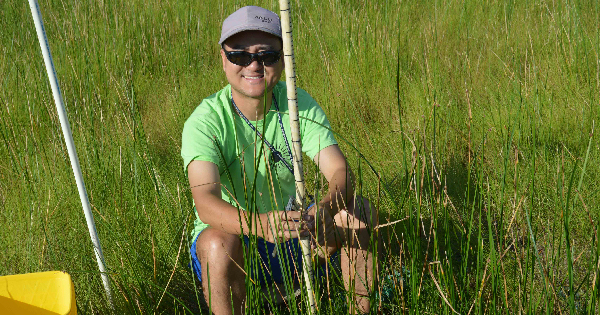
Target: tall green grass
{"x":471,"y":125}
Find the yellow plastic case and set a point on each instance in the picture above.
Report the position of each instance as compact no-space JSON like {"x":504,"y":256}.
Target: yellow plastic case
{"x":50,"y":292}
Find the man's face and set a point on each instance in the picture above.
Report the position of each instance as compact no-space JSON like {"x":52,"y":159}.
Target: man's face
{"x":249,"y":81}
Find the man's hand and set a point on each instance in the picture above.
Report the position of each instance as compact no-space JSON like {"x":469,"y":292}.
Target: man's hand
{"x":280,"y":226}
{"x":322,"y":227}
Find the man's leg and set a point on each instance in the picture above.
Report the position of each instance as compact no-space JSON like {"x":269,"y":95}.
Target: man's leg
{"x":221,"y":256}
{"x":355,"y":226}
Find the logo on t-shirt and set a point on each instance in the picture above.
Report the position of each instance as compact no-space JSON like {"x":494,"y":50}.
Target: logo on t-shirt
{"x":275,"y":161}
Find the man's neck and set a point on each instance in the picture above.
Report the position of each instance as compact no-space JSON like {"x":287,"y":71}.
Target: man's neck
{"x":252,"y":108}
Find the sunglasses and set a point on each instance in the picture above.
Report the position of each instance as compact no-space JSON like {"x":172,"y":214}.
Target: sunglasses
{"x":243,"y":58}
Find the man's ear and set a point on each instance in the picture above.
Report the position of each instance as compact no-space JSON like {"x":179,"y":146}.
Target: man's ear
{"x":282,"y":54}
{"x":223,"y":58}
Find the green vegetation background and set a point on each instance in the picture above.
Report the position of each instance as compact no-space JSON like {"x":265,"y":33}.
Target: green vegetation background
{"x":473,"y":122}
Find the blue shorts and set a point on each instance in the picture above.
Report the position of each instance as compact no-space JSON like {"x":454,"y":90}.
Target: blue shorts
{"x":273,"y":268}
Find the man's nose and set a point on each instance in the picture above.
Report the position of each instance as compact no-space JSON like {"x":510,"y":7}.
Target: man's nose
{"x":255,"y":65}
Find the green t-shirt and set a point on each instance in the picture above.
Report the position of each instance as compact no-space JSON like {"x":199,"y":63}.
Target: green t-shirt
{"x":215,"y":133}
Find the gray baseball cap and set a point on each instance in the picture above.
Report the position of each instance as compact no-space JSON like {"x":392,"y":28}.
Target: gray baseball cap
{"x":250,"y":18}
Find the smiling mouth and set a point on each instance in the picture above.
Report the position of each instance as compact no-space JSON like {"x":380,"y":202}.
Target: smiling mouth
{"x":253,"y":77}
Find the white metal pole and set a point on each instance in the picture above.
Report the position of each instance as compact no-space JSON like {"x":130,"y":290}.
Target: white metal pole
{"x":64,"y":122}
{"x":290,"y":72}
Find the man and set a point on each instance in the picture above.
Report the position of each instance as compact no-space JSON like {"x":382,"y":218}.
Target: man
{"x":236,"y":151}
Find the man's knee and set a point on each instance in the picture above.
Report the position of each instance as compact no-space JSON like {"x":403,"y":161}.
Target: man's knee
{"x":356,"y":224}
{"x":358,"y":215}
{"x":366,"y":212}
{"x":217,"y":244}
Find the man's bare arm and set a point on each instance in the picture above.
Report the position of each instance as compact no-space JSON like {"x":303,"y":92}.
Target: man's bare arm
{"x":333,"y":166}
{"x":205,"y":185}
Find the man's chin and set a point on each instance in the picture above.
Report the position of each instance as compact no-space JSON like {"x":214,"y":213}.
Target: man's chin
{"x":256,"y":93}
